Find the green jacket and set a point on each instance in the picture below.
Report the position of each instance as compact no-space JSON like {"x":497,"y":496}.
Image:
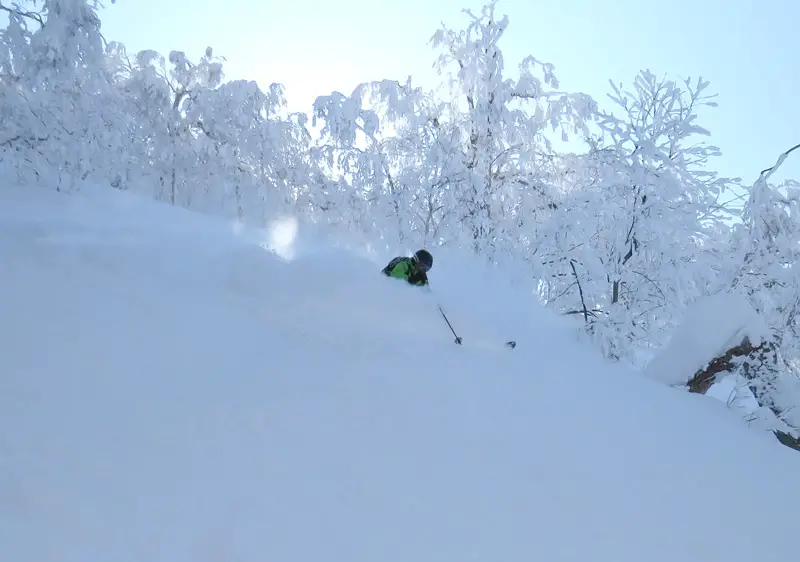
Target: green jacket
{"x":404,"y":268}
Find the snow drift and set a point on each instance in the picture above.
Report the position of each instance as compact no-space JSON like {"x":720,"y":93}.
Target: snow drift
{"x":172,"y":391}
{"x":710,"y":327}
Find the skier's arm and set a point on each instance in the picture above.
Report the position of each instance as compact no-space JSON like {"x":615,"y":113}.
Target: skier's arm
{"x":400,"y":270}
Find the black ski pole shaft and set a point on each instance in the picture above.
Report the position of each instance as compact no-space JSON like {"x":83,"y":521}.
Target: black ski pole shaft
{"x":458,"y":340}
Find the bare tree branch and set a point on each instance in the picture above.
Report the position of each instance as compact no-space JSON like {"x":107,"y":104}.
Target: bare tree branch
{"x":580,"y":291}
{"x":652,"y":283}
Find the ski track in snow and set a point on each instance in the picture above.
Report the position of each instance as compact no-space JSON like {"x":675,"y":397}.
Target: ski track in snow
{"x":172,"y":391}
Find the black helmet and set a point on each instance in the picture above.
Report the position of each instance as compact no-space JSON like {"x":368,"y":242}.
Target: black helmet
{"x":424,"y":258}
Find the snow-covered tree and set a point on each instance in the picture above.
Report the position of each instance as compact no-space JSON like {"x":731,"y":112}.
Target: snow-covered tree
{"x":259,"y":154}
{"x":53,"y":74}
{"x":472,"y":170}
{"x":395,"y":155}
{"x":766,"y":245}
{"x":504,"y":186}
{"x":631,"y":244}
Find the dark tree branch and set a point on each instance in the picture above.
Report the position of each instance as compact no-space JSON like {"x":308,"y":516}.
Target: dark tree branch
{"x":35,"y":16}
{"x":580,"y":292}
{"x":29,"y":140}
{"x":774,"y":168}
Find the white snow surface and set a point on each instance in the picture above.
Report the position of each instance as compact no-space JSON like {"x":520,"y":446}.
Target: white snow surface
{"x":172,"y":391}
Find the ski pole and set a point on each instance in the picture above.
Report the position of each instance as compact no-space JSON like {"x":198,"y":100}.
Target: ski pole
{"x":458,"y":339}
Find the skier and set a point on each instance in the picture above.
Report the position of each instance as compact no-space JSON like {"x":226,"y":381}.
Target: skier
{"x":413,"y":269}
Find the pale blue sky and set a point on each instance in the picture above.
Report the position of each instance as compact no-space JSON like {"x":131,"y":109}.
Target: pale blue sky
{"x":746,"y":48}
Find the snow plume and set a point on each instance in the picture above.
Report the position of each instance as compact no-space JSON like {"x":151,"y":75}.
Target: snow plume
{"x":282,"y":234}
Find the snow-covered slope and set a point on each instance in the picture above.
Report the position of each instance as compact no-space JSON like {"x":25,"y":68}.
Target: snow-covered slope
{"x":172,"y":391}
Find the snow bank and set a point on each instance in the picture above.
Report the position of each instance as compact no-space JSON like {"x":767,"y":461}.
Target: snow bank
{"x":709,"y":328}
{"x":170,"y":391}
